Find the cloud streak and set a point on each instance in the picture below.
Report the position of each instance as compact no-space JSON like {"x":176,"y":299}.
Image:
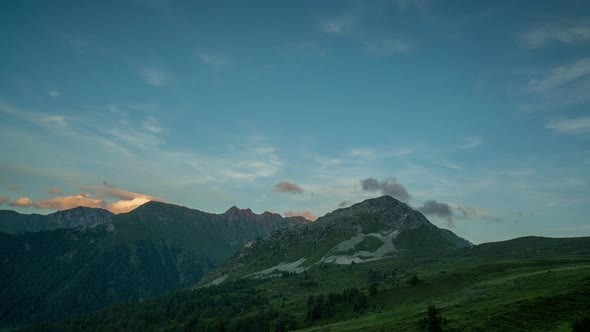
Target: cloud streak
{"x":3,"y":199}
{"x":54,"y":191}
{"x":577,"y":126}
{"x":287,"y":187}
{"x":560,"y":76}
{"x":348,"y":25}
{"x":154,"y":77}
{"x":471,"y":142}
{"x":214,"y":60}
{"x":543,"y":36}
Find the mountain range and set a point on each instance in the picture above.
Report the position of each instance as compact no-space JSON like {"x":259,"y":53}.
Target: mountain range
{"x":84,"y":259}
{"x":378,"y":263}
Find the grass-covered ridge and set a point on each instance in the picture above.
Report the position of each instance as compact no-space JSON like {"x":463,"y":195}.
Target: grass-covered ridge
{"x":475,"y":290}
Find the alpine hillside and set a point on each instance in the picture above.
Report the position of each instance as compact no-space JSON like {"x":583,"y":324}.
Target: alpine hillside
{"x":371,"y":230}
{"x":156,"y":248}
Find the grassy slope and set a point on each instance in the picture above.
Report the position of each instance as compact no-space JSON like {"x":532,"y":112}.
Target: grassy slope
{"x":511,"y":295}
{"x":476,"y":290}
{"x":541,"y":288}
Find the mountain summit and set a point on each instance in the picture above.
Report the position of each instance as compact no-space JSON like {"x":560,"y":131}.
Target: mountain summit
{"x":371,"y":230}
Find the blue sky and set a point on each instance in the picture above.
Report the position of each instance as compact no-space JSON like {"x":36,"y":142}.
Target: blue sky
{"x":476,"y":113}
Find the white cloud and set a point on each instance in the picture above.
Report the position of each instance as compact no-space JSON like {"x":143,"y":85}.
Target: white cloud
{"x":450,"y":165}
{"x":576,"y":126}
{"x":560,"y":76}
{"x":152,"y":124}
{"x":155,"y":77}
{"x":471,"y":142}
{"x":387,"y":47}
{"x":371,"y":41}
{"x":52,"y":122}
{"x":135,"y":138}
{"x":54,"y":94}
{"x":542,"y":36}
{"x":214,"y":60}
{"x":362,"y":153}
{"x":339,"y":25}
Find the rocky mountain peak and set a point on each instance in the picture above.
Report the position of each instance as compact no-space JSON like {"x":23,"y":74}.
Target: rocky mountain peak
{"x":384,"y":210}
{"x":234,"y":211}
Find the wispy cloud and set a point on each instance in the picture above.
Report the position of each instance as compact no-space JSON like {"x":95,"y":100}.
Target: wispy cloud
{"x":54,"y":94}
{"x":3,"y":199}
{"x":560,"y":76}
{"x":155,"y":77}
{"x":215,"y":60}
{"x":152,"y":124}
{"x":287,"y":187}
{"x":566,"y":34}
{"x":362,"y":152}
{"x":54,"y":191}
{"x":78,"y":44}
{"x":577,"y":126}
{"x":305,"y":214}
{"x":15,"y":187}
{"x":450,"y":165}
{"x":350,"y":25}
{"x":55,"y":123}
{"x":387,"y":47}
{"x":117,"y":143}
{"x":339,"y":25}
{"x":370,"y":153}
{"x":471,"y":142}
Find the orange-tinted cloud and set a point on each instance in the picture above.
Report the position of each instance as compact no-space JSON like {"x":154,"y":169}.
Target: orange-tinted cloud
{"x":94,"y":197}
{"x":287,"y":187}
{"x":69,"y":202}
{"x":15,"y":187}
{"x":127,"y":205}
{"x":21,"y":202}
{"x":118,"y":193}
{"x":305,"y":214}
{"x":55,"y":191}
{"x":85,"y":199}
